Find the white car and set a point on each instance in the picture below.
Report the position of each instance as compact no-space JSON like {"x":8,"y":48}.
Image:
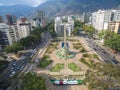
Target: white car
{"x":11,"y":75}
{"x":13,"y":72}
{"x":22,"y":68}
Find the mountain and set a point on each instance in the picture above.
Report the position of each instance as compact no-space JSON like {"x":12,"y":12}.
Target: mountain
{"x":64,"y":7}
{"x":18,"y":10}
{"x":61,"y":7}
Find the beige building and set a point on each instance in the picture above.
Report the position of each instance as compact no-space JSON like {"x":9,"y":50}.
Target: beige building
{"x":24,"y":27}
{"x":114,"y":26}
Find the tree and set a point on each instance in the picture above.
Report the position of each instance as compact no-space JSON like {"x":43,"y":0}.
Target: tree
{"x":33,"y":82}
{"x":89,"y":29}
{"x":103,"y":78}
{"x":101,"y":34}
{"x":78,"y":24}
{"x":14,"y":48}
{"x":111,"y":39}
{"x":50,"y":27}
{"x":28,"y":41}
{"x":75,"y":31}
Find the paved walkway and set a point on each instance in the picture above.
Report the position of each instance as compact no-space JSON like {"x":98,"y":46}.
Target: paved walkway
{"x":66,"y":71}
{"x":56,"y":60}
{"x":90,"y":50}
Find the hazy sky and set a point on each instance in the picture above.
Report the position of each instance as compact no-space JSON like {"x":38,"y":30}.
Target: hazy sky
{"x":25,"y":2}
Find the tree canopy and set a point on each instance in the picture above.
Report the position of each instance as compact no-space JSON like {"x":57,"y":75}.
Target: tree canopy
{"x":33,"y":82}
{"x":78,"y":25}
{"x":111,"y":39}
{"x":28,"y":41}
{"x":89,"y":29}
{"x":104,"y":77}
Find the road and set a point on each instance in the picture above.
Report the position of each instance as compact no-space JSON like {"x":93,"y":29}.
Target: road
{"x":107,"y":57}
{"x":18,"y":66}
{"x":31,"y":67}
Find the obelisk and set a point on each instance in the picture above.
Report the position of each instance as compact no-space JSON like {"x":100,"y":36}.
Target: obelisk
{"x":64,"y":37}
{"x":64,"y":52}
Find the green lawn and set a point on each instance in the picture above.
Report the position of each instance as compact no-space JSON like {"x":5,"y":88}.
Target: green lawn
{"x":84,"y":62}
{"x":95,"y":56}
{"x":89,"y":63}
{"x":57,"y":67}
{"x":73,"y":67}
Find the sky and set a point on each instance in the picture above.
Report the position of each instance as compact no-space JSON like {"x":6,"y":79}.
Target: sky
{"x":22,"y":2}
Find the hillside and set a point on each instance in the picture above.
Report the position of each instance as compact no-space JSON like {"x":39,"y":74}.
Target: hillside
{"x":18,"y":10}
{"x":61,"y":7}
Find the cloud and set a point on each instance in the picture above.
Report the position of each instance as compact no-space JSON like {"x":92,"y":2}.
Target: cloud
{"x":37,"y":2}
{"x":23,"y":2}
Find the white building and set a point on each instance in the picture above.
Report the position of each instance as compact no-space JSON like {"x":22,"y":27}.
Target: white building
{"x":15,"y":32}
{"x":101,"y":18}
{"x":59,"y":25}
{"x":69,"y":29}
{"x":35,"y":23}
{"x":7,"y":35}
{"x":116,"y":16}
{"x":39,"y":18}
{"x":24,"y":27}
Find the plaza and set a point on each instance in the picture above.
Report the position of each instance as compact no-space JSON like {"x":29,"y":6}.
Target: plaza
{"x":51,"y":48}
{"x":69,"y":59}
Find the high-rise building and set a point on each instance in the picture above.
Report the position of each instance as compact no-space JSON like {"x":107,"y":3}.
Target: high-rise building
{"x":11,"y":19}
{"x":100,"y":17}
{"x":35,"y":23}
{"x":14,"y":33}
{"x":60,"y":22}
{"x":40,"y":17}
{"x":24,"y":27}
{"x":1,"y":19}
{"x":14,"y":19}
{"x":7,"y":35}
{"x":85,"y":17}
{"x":116,"y":16}
{"x":114,"y":27}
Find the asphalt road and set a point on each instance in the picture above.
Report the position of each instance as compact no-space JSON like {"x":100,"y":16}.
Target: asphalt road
{"x":107,"y":57}
{"x":15,"y":67}
{"x":31,"y":67}
{"x":18,"y":66}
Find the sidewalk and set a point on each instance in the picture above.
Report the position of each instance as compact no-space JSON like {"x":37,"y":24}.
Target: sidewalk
{"x":117,"y":56}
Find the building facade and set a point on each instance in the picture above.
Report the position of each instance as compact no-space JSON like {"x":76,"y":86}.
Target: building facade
{"x":59,"y":25}
{"x":24,"y":27}
{"x":1,"y":19}
{"x":7,"y":35}
{"x":101,"y":18}
{"x":10,"y":19}
{"x":39,"y":18}
{"x":114,"y":27}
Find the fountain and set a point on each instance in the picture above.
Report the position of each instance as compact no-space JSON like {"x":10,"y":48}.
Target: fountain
{"x":64,"y":52}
